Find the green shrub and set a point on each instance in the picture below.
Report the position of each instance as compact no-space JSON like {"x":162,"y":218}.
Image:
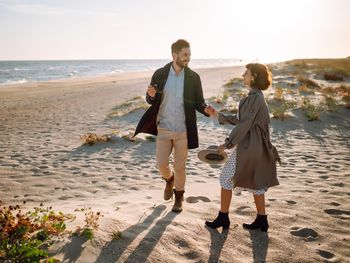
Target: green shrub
{"x":24,"y":236}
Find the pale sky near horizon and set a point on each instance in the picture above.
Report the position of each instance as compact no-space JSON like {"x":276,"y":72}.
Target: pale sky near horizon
{"x":269,"y":30}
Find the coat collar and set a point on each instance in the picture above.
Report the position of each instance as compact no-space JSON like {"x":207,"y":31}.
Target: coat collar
{"x":254,"y":91}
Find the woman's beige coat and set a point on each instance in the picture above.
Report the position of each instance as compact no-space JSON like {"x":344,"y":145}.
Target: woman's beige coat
{"x":256,"y":156}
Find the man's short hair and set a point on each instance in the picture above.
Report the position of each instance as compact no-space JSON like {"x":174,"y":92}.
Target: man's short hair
{"x":178,"y":45}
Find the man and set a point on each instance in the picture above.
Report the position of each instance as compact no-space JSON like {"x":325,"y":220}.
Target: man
{"x":175,"y":93}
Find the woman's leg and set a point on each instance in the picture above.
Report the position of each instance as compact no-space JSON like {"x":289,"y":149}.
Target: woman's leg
{"x":222,"y":219}
{"x":226,"y":196}
{"x":260,"y":204}
{"x":260,"y":221}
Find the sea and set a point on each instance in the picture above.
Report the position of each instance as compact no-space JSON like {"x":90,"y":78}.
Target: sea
{"x":17,"y":72}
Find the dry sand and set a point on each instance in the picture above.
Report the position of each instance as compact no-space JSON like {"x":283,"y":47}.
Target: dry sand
{"x":42,"y":160}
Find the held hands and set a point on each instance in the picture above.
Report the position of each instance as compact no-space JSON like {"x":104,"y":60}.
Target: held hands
{"x":151,"y":91}
{"x":211,"y":111}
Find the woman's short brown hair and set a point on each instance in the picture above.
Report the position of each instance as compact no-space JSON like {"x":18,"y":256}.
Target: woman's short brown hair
{"x":262,"y":77}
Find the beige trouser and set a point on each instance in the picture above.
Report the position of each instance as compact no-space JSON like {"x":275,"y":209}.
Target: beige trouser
{"x":166,"y":141}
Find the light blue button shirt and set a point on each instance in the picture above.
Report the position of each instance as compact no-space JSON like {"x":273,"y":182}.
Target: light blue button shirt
{"x":171,"y":115}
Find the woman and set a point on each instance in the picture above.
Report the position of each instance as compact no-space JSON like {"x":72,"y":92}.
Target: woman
{"x":252,"y":163}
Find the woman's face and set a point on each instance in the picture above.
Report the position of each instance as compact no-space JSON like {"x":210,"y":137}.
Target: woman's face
{"x":247,"y":77}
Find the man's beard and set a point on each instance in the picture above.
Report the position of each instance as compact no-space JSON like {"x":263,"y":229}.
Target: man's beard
{"x":181,"y":64}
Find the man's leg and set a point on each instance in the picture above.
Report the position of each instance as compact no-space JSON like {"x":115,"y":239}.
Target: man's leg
{"x":163,"y":151}
{"x":180,"y":158}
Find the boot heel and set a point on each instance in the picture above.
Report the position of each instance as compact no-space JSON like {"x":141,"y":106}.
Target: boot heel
{"x":226,"y":226}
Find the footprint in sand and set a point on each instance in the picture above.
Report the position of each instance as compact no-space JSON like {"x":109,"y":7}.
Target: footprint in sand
{"x":200,"y":181}
{"x":337,"y":212}
{"x":325,"y":177}
{"x":323,"y":191}
{"x":195,"y":199}
{"x":334,"y":204}
{"x":338,"y":184}
{"x":325,"y":254}
{"x":309,"y":181}
{"x":242,"y":210}
{"x":308,"y":234}
{"x":291,"y":202}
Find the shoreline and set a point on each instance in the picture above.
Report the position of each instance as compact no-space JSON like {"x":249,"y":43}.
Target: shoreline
{"x":106,"y":76}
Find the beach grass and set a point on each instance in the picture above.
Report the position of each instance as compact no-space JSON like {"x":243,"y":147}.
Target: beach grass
{"x":128,"y":106}
{"x":321,"y":66}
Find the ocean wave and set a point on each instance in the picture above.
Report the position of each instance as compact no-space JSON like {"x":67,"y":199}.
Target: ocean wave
{"x":13,"y":82}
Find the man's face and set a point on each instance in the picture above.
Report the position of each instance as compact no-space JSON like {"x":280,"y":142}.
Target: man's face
{"x":183,"y":57}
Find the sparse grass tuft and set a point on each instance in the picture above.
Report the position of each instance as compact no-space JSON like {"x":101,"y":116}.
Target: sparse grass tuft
{"x":116,"y":235}
{"x":278,"y":95}
{"x":91,"y":223}
{"x":280,"y":107}
{"x":330,"y":103}
{"x":128,"y":106}
{"x":312,"y":110}
{"x":305,"y":89}
{"x":92,"y":138}
{"x":307,"y":81}
{"x":334,"y":76}
{"x":233,"y":81}
{"x":151,"y":138}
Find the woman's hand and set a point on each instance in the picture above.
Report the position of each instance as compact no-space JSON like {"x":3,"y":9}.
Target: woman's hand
{"x":221,"y":148}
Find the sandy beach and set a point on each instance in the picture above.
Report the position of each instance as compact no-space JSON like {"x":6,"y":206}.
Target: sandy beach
{"x":42,"y":160}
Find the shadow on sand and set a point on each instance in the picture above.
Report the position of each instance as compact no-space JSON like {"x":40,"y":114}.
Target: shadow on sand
{"x":114,"y":249}
{"x":217,"y":241}
{"x":260,"y":244}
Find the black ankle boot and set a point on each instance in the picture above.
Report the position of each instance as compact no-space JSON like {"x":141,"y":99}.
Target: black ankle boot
{"x":260,"y":222}
{"x":221,"y":220}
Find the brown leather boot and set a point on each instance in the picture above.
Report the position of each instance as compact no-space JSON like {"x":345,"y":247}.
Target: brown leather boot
{"x":179,"y":197}
{"x":168,"y":191}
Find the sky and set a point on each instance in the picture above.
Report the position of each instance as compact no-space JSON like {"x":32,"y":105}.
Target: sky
{"x":267,"y":31}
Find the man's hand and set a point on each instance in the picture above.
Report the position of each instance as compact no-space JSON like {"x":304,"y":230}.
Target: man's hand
{"x":151,"y":91}
{"x":211,"y":111}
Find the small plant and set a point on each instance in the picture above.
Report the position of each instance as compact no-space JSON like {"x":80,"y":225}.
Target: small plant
{"x":278,"y":93}
{"x":328,"y":90}
{"x":307,"y":81}
{"x":279,"y":108}
{"x":330,"y":103}
{"x":151,"y":138}
{"x":92,"y":138}
{"x":305,"y":89}
{"x":334,"y":76}
{"x":91,"y":223}
{"x":128,"y":106}
{"x":116,"y":235}
{"x":24,"y":237}
{"x":312,"y":111}
{"x":345,"y":94}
